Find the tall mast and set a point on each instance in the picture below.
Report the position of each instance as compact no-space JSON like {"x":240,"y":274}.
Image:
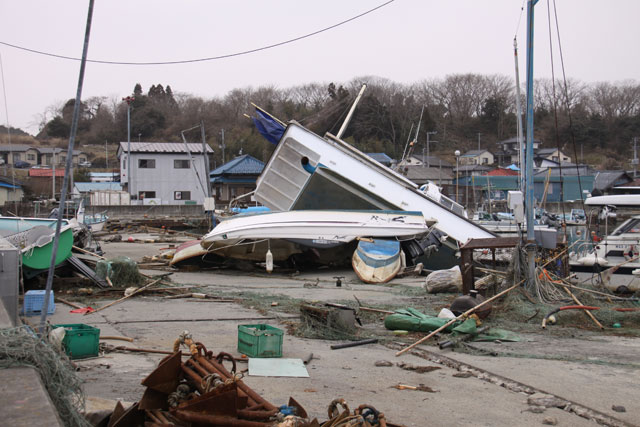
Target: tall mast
{"x":529,"y":199}
{"x":519,"y":120}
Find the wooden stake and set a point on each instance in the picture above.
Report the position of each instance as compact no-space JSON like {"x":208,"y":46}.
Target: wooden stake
{"x":113,"y":337}
{"x":579,"y":303}
{"x":465,"y":314}
{"x":70,"y":304}
{"x":87,"y":252}
{"x":137,"y":291}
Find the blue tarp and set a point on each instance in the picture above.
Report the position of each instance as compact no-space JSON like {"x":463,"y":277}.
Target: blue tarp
{"x":268,"y":127}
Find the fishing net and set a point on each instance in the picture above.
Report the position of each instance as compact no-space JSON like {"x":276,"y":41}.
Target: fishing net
{"x":21,"y":347}
{"x":122,"y":271}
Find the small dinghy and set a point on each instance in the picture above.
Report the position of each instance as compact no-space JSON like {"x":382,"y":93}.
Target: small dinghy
{"x":377,"y":260}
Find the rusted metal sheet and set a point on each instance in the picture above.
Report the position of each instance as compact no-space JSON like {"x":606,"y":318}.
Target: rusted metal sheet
{"x":166,"y":376}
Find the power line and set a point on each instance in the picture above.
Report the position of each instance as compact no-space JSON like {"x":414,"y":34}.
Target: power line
{"x":212,"y":58}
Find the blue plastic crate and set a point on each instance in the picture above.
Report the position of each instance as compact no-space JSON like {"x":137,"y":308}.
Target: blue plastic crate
{"x":34,"y":301}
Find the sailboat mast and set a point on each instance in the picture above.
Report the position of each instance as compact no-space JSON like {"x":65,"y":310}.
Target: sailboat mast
{"x":529,"y":199}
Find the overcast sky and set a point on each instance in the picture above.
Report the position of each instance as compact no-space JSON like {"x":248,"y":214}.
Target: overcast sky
{"x":405,"y":41}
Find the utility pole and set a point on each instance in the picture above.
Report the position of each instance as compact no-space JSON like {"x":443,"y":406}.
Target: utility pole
{"x":206,"y":158}
{"x":433,"y":132}
{"x":479,"y":140}
{"x":529,"y":199}
{"x":53,"y":173}
{"x":222,"y":145}
{"x":106,"y":155}
{"x":129,"y":100}
{"x":635,"y":157}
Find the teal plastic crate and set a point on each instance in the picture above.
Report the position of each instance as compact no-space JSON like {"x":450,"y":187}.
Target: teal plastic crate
{"x":260,"y":340}
{"x":80,"y":340}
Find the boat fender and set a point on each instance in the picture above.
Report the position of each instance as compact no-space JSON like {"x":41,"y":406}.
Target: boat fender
{"x":403,"y":259}
{"x":269,"y":261}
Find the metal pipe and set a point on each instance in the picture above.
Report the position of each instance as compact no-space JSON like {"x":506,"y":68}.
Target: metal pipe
{"x":354,"y":344}
{"x":194,"y":376}
{"x":529,"y":201}
{"x":219,"y":368}
{"x":68,"y":170}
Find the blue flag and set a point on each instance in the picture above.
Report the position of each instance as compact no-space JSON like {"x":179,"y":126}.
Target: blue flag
{"x":268,"y":127}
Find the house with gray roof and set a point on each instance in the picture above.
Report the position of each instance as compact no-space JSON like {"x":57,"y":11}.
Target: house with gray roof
{"x":477,"y":157}
{"x":167,"y":173}
{"x":606,"y":181}
{"x":38,"y":155}
{"x":235,"y":178}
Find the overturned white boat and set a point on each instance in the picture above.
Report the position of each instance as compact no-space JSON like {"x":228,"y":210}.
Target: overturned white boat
{"x":320,"y":228}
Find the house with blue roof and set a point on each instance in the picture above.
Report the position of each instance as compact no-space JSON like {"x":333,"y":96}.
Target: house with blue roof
{"x":235,"y":178}
{"x":10,"y":190}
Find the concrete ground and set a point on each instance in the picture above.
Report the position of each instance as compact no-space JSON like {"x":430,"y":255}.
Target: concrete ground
{"x":604,"y":371}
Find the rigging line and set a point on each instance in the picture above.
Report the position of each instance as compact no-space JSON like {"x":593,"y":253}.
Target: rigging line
{"x":6,"y":111}
{"x":566,"y":94}
{"x":555,"y":113}
{"x":212,"y":58}
{"x":515,"y":36}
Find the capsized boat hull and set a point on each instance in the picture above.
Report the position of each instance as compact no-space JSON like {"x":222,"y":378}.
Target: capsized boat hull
{"x":34,"y":238}
{"x":319,"y":226}
{"x":377,"y":261}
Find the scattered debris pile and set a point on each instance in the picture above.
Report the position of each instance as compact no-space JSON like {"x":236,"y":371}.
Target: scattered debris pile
{"x":203,"y":391}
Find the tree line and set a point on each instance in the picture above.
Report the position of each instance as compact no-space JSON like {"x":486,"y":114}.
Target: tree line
{"x":599,"y":119}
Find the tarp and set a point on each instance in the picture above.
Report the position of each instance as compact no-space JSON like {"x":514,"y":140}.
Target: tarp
{"x":268,"y":127}
{"x":410,"y":319}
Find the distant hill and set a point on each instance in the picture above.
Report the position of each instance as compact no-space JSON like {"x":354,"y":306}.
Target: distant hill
{"x":14,"y":131}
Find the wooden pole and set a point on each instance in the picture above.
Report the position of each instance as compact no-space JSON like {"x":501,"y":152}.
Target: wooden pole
{"x":465,"y":314}
{"x":578,"y":302}
{"x":87,"y":252}
{"x":137,"y":291}
{"x":70,"y":304}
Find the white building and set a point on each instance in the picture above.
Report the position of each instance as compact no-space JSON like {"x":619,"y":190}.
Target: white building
{"x":166,"y":173}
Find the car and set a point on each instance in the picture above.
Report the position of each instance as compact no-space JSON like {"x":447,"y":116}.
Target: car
{"x":85,"y":164}
{"x":20,"y":164}
{"x":41,"y":167}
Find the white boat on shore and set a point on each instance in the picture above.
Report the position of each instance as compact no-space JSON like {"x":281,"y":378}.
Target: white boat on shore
{"x":620,"y":248}
{"x":320,"y":228}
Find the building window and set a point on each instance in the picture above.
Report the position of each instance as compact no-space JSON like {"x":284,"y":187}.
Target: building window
{"x":31,"y":156}
{"x":485,"y":161}
{"x":182,"y":195}
{"x":16,"y":157}
{"x":146,"y":195}
{"x":181,"y":164}
{"x":63,"y":159}
{"x":147,"y":163}
{"x":554,"y":158}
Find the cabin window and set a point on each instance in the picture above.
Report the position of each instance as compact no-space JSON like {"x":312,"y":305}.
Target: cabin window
{"x":181,"y":164}
{"x":182,"y":195}
{"x":147,"y":163}
{"x":146,"y":195}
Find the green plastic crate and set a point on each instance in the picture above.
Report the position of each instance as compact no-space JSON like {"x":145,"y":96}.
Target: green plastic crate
{"x":80,"y":340}
{"x":260,"y":340}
